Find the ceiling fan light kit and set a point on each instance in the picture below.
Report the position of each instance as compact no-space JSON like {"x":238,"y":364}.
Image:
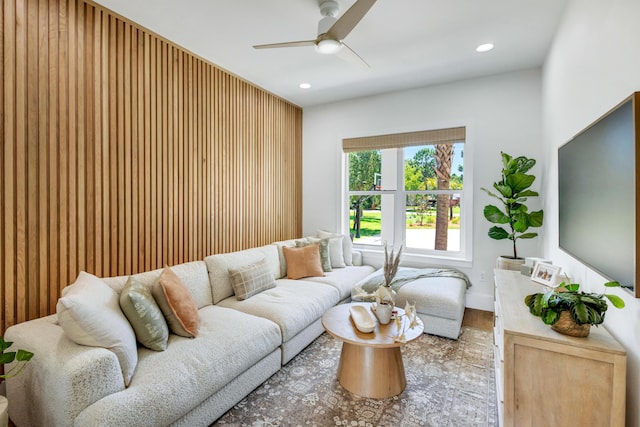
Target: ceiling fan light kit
{"x":328,"y":46}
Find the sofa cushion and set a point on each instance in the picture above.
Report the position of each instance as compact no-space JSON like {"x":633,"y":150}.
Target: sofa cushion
{"x":144,"y":315}
{"x":89,"y":313}
{"x":218,"y":266}
{"x":292,"y":304}
{"x":251,"y":279}
{"x":343,"y":279}
{"x":193,"y":275}
{"x":304,"y":261}
{"x":171,"y":383}
{"x":347,"y":244}
{"x":176,"y":303}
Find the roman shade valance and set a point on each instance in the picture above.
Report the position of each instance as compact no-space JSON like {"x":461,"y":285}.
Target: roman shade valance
{"x":407,"y":139}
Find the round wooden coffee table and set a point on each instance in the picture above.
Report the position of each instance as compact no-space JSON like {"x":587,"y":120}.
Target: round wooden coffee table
{"x":370,"y":364}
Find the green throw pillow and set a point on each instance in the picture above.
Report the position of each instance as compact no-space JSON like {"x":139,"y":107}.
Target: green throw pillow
{"x":325,"y":255}
{"x":145,"y":316}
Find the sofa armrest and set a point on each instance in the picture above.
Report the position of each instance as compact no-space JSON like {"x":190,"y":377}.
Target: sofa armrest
{"x":356,"y":257}
{"x":62,"y":378}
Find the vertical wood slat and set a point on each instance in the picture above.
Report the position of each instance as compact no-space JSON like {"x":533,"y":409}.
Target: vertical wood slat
{"x":122,"y":152}
{"x":3,"y":299}
{"x":31,"y":152}
{"x":21,"y":105}
{"x":8,"y":178}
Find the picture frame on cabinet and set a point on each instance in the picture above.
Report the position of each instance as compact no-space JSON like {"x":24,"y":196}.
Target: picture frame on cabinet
{"x":546,"y":274}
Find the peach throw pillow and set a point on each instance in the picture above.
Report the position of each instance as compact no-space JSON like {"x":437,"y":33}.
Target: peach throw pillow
{"x":303,"y":262}
{"x":176,"y":303}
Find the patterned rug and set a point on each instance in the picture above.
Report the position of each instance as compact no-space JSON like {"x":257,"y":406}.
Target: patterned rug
{"x":449,"y":383}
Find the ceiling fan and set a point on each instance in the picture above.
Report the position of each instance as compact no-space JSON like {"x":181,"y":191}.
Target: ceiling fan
{"x":332,"y":31}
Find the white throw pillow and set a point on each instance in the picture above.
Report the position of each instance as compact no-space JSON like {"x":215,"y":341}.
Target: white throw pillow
{"x":347,"y":245}
{"x":89,"y":313}
{"x":336,"y":252}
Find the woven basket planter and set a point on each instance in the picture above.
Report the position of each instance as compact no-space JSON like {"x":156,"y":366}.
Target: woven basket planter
{"x":567,"y":326}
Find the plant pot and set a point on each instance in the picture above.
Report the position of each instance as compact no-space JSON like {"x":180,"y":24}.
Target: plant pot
{"x":507,"y":263}
{"x":4,"y":412}
{"x":383,"y":312}
{"x":567,"y":326}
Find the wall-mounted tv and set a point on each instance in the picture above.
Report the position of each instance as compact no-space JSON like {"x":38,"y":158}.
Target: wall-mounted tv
{"x":598,"y":195}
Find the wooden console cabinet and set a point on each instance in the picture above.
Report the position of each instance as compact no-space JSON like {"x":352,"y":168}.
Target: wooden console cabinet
{"x":544,"y":378}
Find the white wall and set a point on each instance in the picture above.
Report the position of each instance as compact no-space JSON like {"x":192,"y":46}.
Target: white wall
{"x":593,"y":65}
{"x":501,"y":112}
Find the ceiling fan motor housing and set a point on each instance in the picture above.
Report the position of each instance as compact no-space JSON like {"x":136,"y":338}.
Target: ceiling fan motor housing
{"x":325,"y":24}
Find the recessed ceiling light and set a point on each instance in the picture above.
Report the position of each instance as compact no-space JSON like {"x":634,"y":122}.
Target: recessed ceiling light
{"x":484,"y":47}
{"x":304,"y":85}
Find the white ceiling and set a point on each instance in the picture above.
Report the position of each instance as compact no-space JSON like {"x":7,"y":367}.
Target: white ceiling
{"x":408,"y":43}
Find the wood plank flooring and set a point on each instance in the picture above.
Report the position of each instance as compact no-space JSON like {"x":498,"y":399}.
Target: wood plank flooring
{"x":478,"y":319}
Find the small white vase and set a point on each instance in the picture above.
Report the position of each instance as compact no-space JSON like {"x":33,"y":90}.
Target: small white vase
{"x":383,"y":313}
{"x":4,"y":412}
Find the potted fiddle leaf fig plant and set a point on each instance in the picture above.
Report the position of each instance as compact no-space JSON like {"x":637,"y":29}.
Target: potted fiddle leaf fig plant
{"x":513,"y":218}
{"x":571,"y":311}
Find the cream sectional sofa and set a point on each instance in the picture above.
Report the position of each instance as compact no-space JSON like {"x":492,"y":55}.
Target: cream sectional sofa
{"x":240,"y":344}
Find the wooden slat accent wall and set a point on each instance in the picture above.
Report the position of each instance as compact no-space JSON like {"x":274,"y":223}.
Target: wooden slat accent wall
{"x":122,"y":152}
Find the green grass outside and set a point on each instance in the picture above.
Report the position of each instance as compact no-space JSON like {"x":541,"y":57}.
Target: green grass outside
{"x":370,"y":221}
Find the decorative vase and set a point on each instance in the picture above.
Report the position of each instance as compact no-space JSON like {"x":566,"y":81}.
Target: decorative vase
{"x":386,"y":294}
{"x":506,"y":263}
{"x":383,"y":312}
{"x":4,"y":412}
{"x":567,"y":326}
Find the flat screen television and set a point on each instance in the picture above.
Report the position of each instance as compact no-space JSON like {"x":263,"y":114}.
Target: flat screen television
{"x":598,"y":195}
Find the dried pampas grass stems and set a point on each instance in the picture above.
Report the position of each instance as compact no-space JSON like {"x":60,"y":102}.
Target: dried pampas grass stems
{"x":391,"y":264}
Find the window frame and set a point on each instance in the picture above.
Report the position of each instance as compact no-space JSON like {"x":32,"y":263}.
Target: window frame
{"x":461,"y":258}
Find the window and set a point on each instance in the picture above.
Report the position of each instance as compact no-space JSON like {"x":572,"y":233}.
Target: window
{"x":408,"y":188}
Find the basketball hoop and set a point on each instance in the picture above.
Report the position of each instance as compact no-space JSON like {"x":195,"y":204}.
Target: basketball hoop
{"x":377,"y":181}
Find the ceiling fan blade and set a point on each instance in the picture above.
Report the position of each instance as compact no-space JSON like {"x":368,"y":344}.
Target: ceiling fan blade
{"x":350,"y":19}
{"x":347,"y":54}
{"x":286,"y":44}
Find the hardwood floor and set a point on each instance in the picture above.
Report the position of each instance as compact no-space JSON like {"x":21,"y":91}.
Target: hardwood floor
{"x":478,"y":319}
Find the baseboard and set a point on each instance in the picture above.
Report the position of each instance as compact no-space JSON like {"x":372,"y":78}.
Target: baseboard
{"x":479,"y":301}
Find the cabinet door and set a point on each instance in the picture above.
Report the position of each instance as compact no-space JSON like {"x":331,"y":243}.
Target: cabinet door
{"x":550,"y":384}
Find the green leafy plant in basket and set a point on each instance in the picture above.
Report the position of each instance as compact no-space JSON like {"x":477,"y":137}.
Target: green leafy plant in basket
{"x":585,"y":308}
{"x":21,"y":356}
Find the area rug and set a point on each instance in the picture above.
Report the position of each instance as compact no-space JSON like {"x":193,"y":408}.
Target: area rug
{"x":449,"y":383}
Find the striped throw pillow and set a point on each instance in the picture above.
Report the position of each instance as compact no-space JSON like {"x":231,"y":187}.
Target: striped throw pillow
{"x":251,"y":279}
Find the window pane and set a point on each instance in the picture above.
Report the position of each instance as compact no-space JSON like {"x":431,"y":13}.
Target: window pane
{"x":365,"y":219}
{"x":421,"y":164}
{"x":364,"y":170}
{"x":429,"y":228}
